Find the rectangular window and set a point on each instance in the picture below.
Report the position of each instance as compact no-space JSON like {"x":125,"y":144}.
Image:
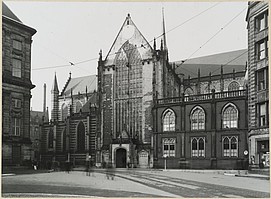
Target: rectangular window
{"x":16,"y":126}
{"x":262,"y":21}
{"x":262,"y":114}
{"x":17,"y":45}
{"x":16,"y":68}
{"x":16,"y":103}
{"x":169,"y":147}
{"x":261,"y":80}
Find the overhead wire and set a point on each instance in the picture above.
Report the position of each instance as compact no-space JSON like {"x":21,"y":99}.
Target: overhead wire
{"x":93,"y":59}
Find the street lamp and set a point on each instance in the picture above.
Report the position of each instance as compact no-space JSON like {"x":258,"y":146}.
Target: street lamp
{"x":165,"y":156}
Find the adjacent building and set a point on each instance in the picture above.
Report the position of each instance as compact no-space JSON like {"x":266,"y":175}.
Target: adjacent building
{"x":16,"y":88}
{"x":258,"y":95}
{"x":205,"y":127}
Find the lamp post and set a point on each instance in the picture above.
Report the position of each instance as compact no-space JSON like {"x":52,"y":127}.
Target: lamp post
{"x":165,"y":156}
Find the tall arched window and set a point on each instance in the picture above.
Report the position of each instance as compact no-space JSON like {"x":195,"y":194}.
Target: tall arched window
{"x":64,"y":111}
{"x":169,"y":120}
{"x":230,"y":116}
{"x":51,"y":139}
{"x":197,"y":119}
{"x":230,"y":146}
{"x":78,"y":106}
{"x":81,"y":137}
{"x":233,"y":86}
{"x":64,"y":140}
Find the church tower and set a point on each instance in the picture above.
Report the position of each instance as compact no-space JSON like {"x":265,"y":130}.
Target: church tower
{"x":54,"y":98}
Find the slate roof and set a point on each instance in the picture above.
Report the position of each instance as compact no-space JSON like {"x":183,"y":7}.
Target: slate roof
{"x":8,"y":13}
{"x":212,"y":63}
{"x":79,"y":85}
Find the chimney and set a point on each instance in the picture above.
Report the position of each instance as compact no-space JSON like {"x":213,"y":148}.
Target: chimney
{"x":44,"y":98}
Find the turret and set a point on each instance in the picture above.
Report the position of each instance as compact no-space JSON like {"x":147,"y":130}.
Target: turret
{"x":54,"y":98}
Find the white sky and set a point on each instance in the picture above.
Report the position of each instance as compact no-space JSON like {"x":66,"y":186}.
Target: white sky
{"x":76,"y":31}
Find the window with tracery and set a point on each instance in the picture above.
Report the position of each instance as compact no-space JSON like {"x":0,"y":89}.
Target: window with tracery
{"x":230,"y":146}
{"x":233,"y":86}
{"x":197,"y":119}
{"x":78,"y":106}
{"x":64,"y":111}
{"x":198,"y":147}
{"x":51,"y":139}
{"x":169,"y":120}
{"x":230,"y":116}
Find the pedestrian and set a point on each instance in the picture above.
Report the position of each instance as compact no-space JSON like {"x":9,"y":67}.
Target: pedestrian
{"x":67,"y":166}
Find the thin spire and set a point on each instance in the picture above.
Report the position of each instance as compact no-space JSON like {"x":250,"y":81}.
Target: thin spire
{"x":164,"y":30}
{"x":55,"y":85}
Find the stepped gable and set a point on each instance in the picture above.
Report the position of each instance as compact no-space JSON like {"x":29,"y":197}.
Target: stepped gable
{"x":8,"y":13}
{"x":212,"y":63}
{"x":129,"y":33}
{"x":79,"y":85}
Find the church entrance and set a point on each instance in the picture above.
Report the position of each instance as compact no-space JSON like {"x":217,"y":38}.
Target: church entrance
{"x":121,"y":158}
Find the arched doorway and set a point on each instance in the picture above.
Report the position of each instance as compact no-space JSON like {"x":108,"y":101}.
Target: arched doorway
{"x":121,"y":158}
{"x":81,"y":137}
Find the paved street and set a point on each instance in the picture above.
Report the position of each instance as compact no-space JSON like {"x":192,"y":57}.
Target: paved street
{"x":134,"y":183}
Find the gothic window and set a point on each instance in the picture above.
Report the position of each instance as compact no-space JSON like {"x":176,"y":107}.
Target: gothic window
{"x":197,"y":119}
{"x":230,"y":146}
{"x":81,"y":137}
{"x":233,"y":86}
{"x":189,"y":91}
{"x":64,"y":140}
{"x":51,"y":139}
{"x":169,"y":147}
{"x":64,"y":111}
{"x":169,"y":120}
{"x":230,"y":116}
{"x":198,"y":147}
{"x":78,"y":106}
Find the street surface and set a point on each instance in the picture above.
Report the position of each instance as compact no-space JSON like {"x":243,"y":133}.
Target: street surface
{"x":134,"y":183}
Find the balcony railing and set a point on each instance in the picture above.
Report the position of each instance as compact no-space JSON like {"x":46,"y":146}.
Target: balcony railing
{"x":202,"y":97}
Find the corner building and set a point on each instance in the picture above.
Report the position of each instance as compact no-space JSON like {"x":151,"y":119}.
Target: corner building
{"x":16,"y":88}
{"x":258,"y":100}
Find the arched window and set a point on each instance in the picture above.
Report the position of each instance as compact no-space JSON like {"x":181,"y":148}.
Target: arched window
{"x":198,"y":147}
{"x":233,"y":86}
{"x":51,"y":139}
{"x":64,"y":140}
{"x":81,"y":137}
{"x":169,"y":146}
{"x":169,"y":120}
{"x":78,"y":106}
{"x":230,"y":146}
{"x":230,"y":116}
{"x":64,"y":111}
{"x":197,"y":119}
{"x":189,"y":91}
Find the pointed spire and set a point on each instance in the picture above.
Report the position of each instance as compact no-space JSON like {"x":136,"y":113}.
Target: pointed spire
{"x":161,"y":47}
{"x":55,"y":85}
{"x":154,"y":44}
{"x":100,"y":55}
{"x":164,"y":30}
{"x":70,"y":75}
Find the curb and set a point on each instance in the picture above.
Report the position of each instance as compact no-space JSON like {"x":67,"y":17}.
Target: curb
{"x":8,"y":174}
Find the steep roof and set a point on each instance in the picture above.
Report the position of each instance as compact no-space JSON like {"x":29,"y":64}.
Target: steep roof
{"x":8,"y":13}
{"x":79,"y":84}
{"x":212,"y":63}
{"x":91,"y":101}
{"x":129,"y":33}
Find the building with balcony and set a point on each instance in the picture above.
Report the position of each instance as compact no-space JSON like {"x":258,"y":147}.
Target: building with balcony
{"x":16,"y":88}
{"x":205,"y":127}
{"x":258,"y":95}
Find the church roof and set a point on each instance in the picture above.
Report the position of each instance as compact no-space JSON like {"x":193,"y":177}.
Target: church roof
{"x":129,"y":33}
{"x":79,"y":84}
{"x":8,"y":13}
{"x":212,"y":63}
